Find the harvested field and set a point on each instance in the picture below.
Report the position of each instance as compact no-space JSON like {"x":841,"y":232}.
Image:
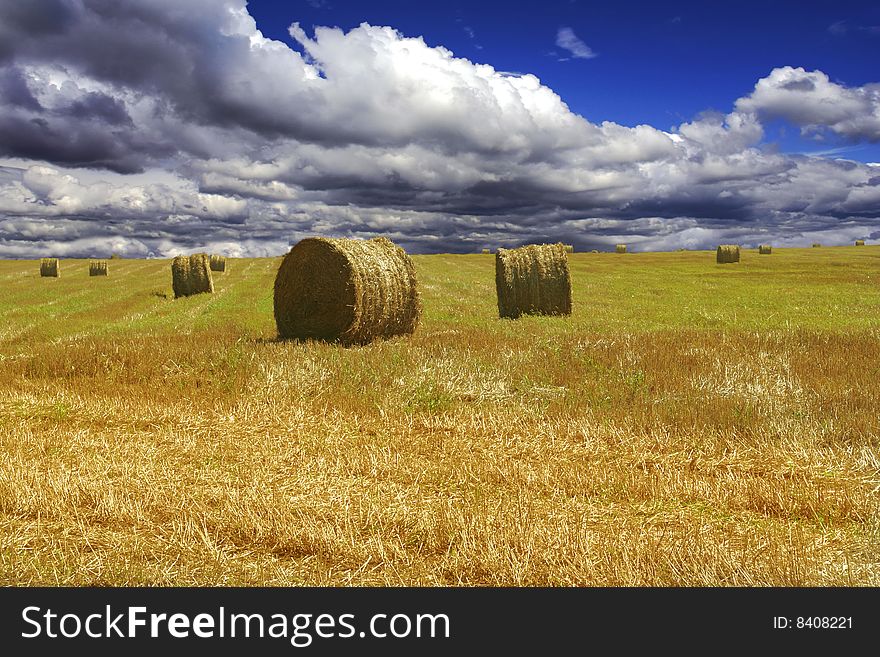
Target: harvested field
{"x":687,"y":425}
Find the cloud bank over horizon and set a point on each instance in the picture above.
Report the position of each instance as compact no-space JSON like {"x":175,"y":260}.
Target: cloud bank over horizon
{"x":150,"y":129}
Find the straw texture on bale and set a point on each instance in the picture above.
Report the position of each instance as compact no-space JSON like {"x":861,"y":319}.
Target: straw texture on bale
{"x":487,"y":251}
{"x":816,"y":245}
{"x":191,"y":275}
{"x":727,"y":253}
{"x":218,"y":263}
{"x":765,"y":249}
{"x":860,"y":242}
{"x":569,"y":248}
{"x":97,"y":268}
{"x":347,"y":291}
{"x":50,"y":267}
{"x":620,"y":248}
{"x":533,"y":280}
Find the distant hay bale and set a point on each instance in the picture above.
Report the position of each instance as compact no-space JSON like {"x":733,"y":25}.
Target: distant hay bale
{"x":487,"y":251}
{"x":97,"y":267}
{"x":765,"y":249}
{"x":50,"y":267}
{"x":115,"y":256}
{"x":218,"y":263}
{"x":816,"y":245}
{"x":533,"y":280}
{"x":191,"y":275}
{"x":346,"y":290}
{"x":860,"y":242}
{"x":569,"y":248}
{"x":727,"y":253}
{"x":594,"y":251}
{"x":620,"y":248}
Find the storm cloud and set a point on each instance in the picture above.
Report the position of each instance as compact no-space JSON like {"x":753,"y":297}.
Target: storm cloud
{"x":154,"y":128}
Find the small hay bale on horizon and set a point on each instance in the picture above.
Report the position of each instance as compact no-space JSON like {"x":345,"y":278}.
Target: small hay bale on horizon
{"x":860,"y":242}
{"x":487,"y":251}
{"x":346,"y":290}
{"x":569,"y":248}
{"x":191,"y":275}
{"x":727,"y":253}
{"x":97,"y":267}
{"x":115,"y":256}
{"x":816,"y":245}
{"x":50,"y":267}
{"x":533,"y":280}
{"x":218,"y":263}
{"x":765,"y":249}
{"x":620,"y":248}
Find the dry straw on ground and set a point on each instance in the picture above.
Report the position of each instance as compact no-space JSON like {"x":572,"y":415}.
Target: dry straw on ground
{"x":191,"y":275}
{"x":727,"y":253}
{"x":620,"y":248}
{"x":50,"y":267}
{"x":218,"y":263}
{"x":533,"y":280}
{"x":97,"y":268}
{"x":347,"y":291}
{"x":860,"y":242}
{"x":765,"y":249}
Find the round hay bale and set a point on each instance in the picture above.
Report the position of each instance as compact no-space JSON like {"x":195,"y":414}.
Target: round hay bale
{"x":346,"y":290}
{"x":594,"y":251}
{"x":97,"y":267}
{"x":487,"y":251}
{"x":50,"y":267}
{"x":533,"y":280}
{"x":860,"y":242}
{"x":569,"y":248}
{"x":816,"y":245}
{"x":727,"y":253}
{"x":191,"y":275}
{"x":765,"y":249}
{"x":218,"y":263}
{"x":620,"y":248}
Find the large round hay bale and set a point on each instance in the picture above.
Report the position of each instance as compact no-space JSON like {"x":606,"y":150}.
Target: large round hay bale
{"x":765,"y":249}
{"x":97,"y":267}
{"x":347,"y":291}
{"x":50,"y":267}
{"x":485,"y":251}
{"x":191,"y":275}
{"x":727,"y":253}
{"x":860,"y":242}
{"x":218,"y":263}
{"x":620,"y":248}
{"x":533,"y":280}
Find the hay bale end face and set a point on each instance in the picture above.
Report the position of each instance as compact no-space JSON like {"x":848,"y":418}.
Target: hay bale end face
{"x":765,"y":249}
{"x":533,"y":280}
{"x":49,"y":267}
{"x":191,"y":275}
{"x":97,"y":267}
{"x":620,"y":248}
{"x":727,"y":253}
{"x":347,"y":291}
{"x":860,"y":242}
{"x":218,"y":263}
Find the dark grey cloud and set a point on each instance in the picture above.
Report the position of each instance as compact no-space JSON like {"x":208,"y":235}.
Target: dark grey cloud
{"x":160,"y":126}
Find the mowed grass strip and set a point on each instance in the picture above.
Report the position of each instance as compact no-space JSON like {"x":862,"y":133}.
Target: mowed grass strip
{"x":181,"y":444}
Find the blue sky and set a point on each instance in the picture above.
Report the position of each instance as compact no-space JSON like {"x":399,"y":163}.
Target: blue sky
{"x":659,"y":63}
{"x":159,"y":127}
